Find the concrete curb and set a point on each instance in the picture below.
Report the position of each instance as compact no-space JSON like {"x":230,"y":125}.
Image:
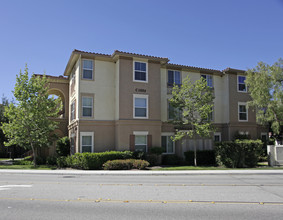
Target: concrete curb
{"x":143,"y":172}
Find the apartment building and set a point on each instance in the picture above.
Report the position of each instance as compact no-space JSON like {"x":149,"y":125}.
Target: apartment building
{"x":121,"y":102}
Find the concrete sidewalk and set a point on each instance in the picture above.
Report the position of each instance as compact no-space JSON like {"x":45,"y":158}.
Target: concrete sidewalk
{"x":143,"y":172}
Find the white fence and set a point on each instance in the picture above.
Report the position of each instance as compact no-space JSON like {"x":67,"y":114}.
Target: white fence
{"x":275,"y":155}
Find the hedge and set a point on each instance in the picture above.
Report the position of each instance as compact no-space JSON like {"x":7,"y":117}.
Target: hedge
{"x":204,"y":157}
{"x":171,"y":159}
{"x":93,"y":161}
{"x":125,"y":164}
{"x":238,"y":154}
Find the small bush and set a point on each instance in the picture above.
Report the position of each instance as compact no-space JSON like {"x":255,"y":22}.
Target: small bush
{"x":61,"y":162}
{"x":40,"y":160}
{"x":63,"y":146}
{"x":140,"y":155}
{"x":51,"y":160}
{"x":238,"y":154}
{"x":140,"y":164}
{"x":153,"y":159}
{"x":22,"y":162}
{"x":156,"y":150}
{"x":94,"y":161}
{"x":204,"y":157}
{"x":171,"y":159}
{"x":125,"y":164}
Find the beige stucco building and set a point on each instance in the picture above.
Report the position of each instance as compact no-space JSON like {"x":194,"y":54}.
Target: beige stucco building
{"x":121,"y":102}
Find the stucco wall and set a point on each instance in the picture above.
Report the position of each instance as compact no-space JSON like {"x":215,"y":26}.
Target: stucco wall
{"x":103,"y":88}
{"x":127,"y":88}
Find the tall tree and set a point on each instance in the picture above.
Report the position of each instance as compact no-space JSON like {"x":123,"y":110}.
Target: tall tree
{"x":265,"y":85}
{"x":195,"y":101}
{"x":3,"y":119}
{"x":29,"y":119}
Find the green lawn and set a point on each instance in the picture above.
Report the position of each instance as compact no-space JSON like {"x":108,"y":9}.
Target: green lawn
{"x":5,"y":159}
{"x":215,"y":168}
{"x":28,"y":167}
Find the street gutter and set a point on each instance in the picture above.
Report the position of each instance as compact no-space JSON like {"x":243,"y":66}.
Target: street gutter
{"x":142,"y":172}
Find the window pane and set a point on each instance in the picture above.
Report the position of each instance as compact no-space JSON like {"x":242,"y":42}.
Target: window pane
{"x":243,"y":116}
{"x":87,"y":111}
{"x":140,"y":139}
{"x":171,"y":112}
{"x":241,"y":79}
{"x":87,"y":101}
{"x":86,"y":140}
{"x":87,"y":74}
{"x":177,"y":77}
{"x":86,"y":148}
{"x":140,"y":112}
{"x":170,"y":77}
{"x":140,"y":76}
{"x":140,"y":148}
{"x":216,"y":138}
{"x":87,"y":64}
{"x":140,"y":102}
{"x":169,"y":145}
{"x":164,"y":143}
{"x":209,"y":81}
{"x":242,"y":108}
{"x":242,"y":87}
{"x":143,"y":66}
{"x":137,"y":66}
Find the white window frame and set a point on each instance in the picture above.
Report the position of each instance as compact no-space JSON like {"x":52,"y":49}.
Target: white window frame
{"x":247,"y":111}
{"x":146,"y":72}
{"x":144,"y":97}
{"x":141,"y":133}
{"x":87,"y":69}
{"x":217,"y":134}
{"x":87,"y":107}
{"x":205,"y":77}
{"x":81,"y":140}
{"x":241,"y":83}
{"x":174,"y":71}
{"x":73,"y":116}
{"x":168,"y":135}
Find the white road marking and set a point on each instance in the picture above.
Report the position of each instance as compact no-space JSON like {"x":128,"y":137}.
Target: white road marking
{"x":6,"y":187}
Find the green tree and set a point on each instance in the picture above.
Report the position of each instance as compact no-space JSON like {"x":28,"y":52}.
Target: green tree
{"x":195,"y":102}
{"x":29,"y":119}
{"x":3,"y":119}
{"x":265,"y":85}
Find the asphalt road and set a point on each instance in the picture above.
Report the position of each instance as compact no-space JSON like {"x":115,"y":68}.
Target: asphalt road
{"x":36,"y":196}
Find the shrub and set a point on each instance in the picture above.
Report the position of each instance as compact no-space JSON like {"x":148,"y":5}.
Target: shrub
{"x":156,"y":150}
{"x":22,"y":162}
{"x":204,"y":157}
{"x":125,"y":164}
{"x":94,"y":161}
{"x":140,"y":164}
{"x":171,"y":159}
{"x":40,"y":160}
{"x":139,"y":155}
{"x":61,"y":162}
{"x":153,"y":159}
{"x":240,"y":153}
{"x":51,"y":160}
{"x":63,"y":146}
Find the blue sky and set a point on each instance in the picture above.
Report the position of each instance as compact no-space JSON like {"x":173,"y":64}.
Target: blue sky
{"x":205,"y":33}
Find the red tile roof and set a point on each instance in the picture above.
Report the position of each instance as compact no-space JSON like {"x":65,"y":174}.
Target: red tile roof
{"x":141,"y":55}
{"x":164,"y":59}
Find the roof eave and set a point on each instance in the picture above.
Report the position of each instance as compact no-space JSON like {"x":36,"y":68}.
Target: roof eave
{"x":72,"y":60}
